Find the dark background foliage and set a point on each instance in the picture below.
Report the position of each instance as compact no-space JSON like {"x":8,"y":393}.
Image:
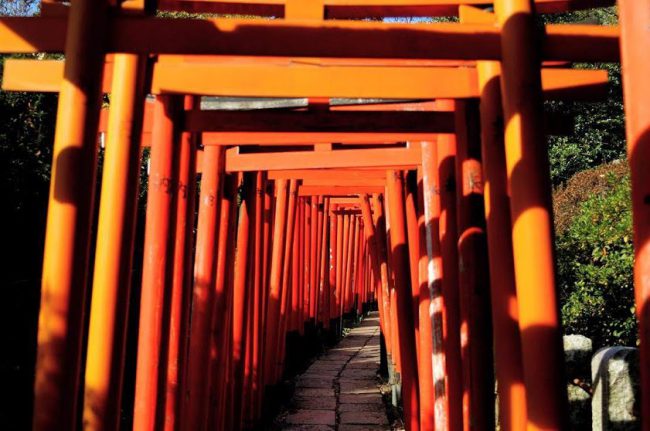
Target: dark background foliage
{"x":26,"y":134}
{"x":599,"y":134}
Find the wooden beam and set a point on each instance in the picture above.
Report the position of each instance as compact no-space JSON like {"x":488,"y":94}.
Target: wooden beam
{"x":316,"y":174}
{"x":288,"y":38}
{"x":405,"y":157}
{"x":338,"y":190}
{"x":345,"y":208}
{"x":558,"y":125}
{"x":288,"y":122}
{"x":294,"y":80}
{"x":389,"y":82}
{"x":346,"y":9}
{"x":334,"y":181}
{"x":555,"y":125}
{"x":345,"y":201}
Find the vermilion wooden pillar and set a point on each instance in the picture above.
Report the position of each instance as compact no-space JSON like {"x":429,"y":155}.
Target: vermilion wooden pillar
{"x":387,"y":283}
{"x":181,"y":287}
{"x":507,"y":342}
{"x":384,"y":297}
{"x":319,"y":254}
{"x":307,"y":269}
{"x":324,"y":265}
{"x":226,"y":374}
{"x":426,"y":320}
{"x":344,"y":259}
{"x":241,"y":292}
{"x":473,"y":275}
{"x":351,"y":261}
{"x":219,"y":321}
{"x":333,"y":262}
{"x":635,"y":39}
{"x":340,"y":222}
{"x":531,"y":212}
{"x":371,"y":238}
{"x":414,"y":251}
{"x":355,"y":228}
{"x":69,"y":217}
{"x":300,"y":315}
{"x":114,"y":251}
{"x":505,"y":323}
{"x":395,"y":183}
{"x":275,"y":287}
{"x":248,"y":404}
{"x":354,"y":268}
{"x":363,"y":276}
{"x":267,"y":233}
{"x":296,"y":269}
{"x":446,"y":156}
{"x":157,"y":266}
{"x":258,"y":305}
{"x":313,"y":255}
{"x":397,"y":356}
{"x":431,"y":189}
{"x":195,"y":400}
{"x":316,"y":269}
{"x":267,"y":187}
{"x":285,"y":279}
{"x":358,"y":266}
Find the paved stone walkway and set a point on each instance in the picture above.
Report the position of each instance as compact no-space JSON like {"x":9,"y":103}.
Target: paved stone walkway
{"x":340,"y":390}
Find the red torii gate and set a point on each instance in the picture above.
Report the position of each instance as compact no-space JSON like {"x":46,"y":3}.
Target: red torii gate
{"x":476,"y":38}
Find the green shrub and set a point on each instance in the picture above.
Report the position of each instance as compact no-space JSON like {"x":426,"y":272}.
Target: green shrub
{"x":599,"y":133}
{"x":595,"y":257}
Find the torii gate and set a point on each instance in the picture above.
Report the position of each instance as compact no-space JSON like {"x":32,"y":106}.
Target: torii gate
{"x":476,"y":38}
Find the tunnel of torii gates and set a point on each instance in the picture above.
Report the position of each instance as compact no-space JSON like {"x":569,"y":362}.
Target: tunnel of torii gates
{"x":414,"y":175}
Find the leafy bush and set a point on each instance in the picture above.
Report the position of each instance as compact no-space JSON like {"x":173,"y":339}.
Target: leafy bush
{"x":599,"y":133}
{"x":26,"y":134}
{"x":595,"y":257}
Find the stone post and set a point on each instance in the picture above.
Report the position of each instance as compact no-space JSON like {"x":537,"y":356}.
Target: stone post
{"x":615,"y":402}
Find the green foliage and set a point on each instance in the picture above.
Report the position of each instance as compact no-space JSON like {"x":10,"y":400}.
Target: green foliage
{"x":599,"y":134}
{"x":601,"y":16}
{"x":594,"y":239}
{"x":595,"y":256}
{"x":26,"y":135}
{"x":25,"y":145}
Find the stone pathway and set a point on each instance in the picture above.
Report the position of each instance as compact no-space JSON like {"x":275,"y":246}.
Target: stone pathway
{"x":340,"y":390}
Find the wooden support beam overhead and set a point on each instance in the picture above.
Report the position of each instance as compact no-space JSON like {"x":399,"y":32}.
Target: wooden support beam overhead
{"x":406,"y":158}
{"x":555,"y":124}
{"x":346,"y":131}
{"x":345,"y":209}
{"x":389,"y":82}
{"x":295,"y":80}
{"x":338,"y":190}
{"x":353,"y":201}
{"x":317,"y":174}
{"x":288,"y":122}
{"x":279,"y":38}
{"x":333,"y":181}
{"x":346,"y":9}
{"x":308,"y":139}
